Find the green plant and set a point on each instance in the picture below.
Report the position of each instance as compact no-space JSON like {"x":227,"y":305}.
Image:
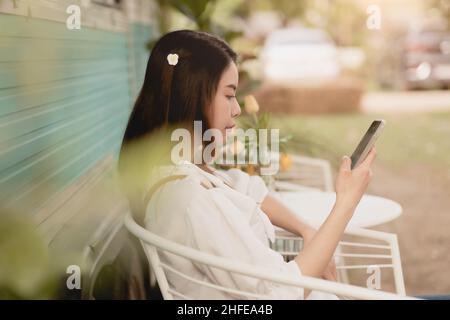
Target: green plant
{"x":215,"y":17}
{"x":26,"y":268}
{"x":248,"y":145}
{"x":263,"y":121}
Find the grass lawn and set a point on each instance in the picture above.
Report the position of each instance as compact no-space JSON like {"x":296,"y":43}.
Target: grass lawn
{"x":407,"y":139}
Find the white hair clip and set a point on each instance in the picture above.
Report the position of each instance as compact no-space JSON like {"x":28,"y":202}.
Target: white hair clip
{"x":172,"y":58}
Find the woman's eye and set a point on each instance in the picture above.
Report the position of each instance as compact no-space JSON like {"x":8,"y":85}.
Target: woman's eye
{"x":231,"y":97}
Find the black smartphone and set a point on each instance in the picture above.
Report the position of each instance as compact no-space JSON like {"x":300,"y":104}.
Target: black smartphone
{"x":367,"y":142}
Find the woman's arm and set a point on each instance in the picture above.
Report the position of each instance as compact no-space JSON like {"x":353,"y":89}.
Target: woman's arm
{"x":350,"y":186}
{"x":281,"y":216}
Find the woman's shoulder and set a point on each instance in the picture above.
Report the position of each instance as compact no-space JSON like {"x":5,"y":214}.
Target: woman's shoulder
{"x":184,"y":186}
{"x":173,"y":187}
{"x":251,"y":185}
{"x":167,"y":209}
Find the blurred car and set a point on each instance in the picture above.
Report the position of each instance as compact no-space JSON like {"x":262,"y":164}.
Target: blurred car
{"x":299,"y":53}
{"x":427,"y":59}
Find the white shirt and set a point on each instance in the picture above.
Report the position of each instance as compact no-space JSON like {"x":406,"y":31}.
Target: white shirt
{"x":202,"y":212}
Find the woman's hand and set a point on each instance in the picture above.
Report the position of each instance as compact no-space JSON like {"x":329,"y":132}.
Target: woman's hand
{"x":330,"y":272}
{"x":351,"y":184}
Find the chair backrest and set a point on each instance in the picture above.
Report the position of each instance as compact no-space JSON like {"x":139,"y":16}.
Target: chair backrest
{"x":309,"y":173}
{"x":154,"y":245}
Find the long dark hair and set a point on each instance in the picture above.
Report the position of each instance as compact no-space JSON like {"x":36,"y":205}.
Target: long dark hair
{"x":177,"y":95}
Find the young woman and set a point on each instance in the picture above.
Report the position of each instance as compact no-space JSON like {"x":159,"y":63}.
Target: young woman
{"x":193,"y":76}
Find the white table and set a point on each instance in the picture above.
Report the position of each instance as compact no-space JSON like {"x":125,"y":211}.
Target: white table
{"x":314,"y":207}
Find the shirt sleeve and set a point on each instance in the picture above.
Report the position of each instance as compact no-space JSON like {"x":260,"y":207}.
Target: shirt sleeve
{"x":252,"y":186}
{"x":218,"y":228}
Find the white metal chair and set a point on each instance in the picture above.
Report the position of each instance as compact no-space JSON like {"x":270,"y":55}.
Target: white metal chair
{"x":153,"y":245}
{"x":384,"y":252}
{"x":305,"y":174}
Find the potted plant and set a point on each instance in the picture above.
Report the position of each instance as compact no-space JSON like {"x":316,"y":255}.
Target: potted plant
{"x":253,"y":119}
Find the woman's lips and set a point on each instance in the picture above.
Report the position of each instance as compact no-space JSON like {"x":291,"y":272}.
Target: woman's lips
{"x":230,"y":127}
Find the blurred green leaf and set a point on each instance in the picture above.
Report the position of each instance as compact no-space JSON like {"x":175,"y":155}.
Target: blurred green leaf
{"x":26,"y":270}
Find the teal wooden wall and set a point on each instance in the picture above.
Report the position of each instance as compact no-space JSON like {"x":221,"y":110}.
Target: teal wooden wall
{"x":65,"y":97}
{"x":141,"y":35}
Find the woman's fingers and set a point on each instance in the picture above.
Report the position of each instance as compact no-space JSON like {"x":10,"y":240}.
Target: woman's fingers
{"x":330,"y":272}
{"x":328,"y":275}
{"x":370,"y":158}
{"x":351,"y":184}
{"x":346,"y":163}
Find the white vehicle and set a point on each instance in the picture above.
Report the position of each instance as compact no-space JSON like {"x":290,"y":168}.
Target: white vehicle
{"x":299,"y":53}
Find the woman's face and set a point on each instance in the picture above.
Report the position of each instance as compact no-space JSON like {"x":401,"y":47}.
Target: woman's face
{"x":225,"y":107}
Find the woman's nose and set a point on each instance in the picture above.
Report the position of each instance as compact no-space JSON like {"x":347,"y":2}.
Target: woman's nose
{"x":236,"y":112}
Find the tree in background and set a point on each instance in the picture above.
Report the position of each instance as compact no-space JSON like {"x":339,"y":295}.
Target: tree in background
{"x":217,"y":17}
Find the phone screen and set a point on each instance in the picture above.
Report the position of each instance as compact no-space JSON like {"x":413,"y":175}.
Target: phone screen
{"x":362,"y":148}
